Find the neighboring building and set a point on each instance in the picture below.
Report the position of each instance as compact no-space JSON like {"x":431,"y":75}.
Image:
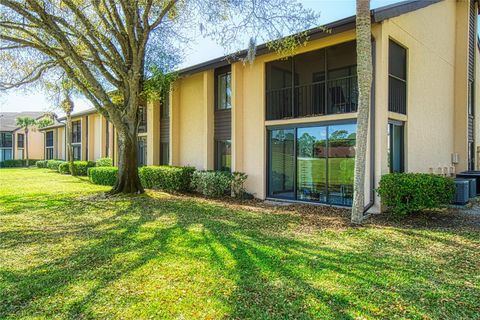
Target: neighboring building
{"x":12,"y":138}
{"x":290,"y":122}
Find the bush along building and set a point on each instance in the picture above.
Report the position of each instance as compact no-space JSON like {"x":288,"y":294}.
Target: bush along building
{"x":290,"y":122}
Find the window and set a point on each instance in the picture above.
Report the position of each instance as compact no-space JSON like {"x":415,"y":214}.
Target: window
{"x":142,"y":119}
{"x":396,"y":147}
{"x":164,"y":153}
{"x":6,"y":140}
{"x":20,"y":140}
{"x":77,"y":140}
{"x":312,"y":163}
{"x":223,"y":161}
{"x":397,"y":78}
{"x":471,"y":155}
{"x":49,"y":139}
{"x":49,"y":145}
{"x":49,"y":154}
{"x":142,"y":151}
{"x":223,"y":88}
{"x":76,"y":131}
{"x":5,"y":154}
{"x":77,"y":152}
{"x":315,"y":83}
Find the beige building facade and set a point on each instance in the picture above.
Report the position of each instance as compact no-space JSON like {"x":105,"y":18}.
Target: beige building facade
{"x":290,"y":122}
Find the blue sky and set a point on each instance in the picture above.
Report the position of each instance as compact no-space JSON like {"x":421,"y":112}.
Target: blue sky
{"x":204,"y":49}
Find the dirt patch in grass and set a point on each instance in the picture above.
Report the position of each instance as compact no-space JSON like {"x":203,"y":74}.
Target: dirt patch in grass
{"x":330,"y":217}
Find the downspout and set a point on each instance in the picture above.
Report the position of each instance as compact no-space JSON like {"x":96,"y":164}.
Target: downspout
{"x":372,"y":134}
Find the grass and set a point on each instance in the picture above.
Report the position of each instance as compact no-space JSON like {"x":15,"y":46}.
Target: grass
{"x":68,"y":253}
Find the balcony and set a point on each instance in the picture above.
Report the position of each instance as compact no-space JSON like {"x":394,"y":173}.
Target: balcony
{"x":315,"y":83}
{"x":314,"y":99}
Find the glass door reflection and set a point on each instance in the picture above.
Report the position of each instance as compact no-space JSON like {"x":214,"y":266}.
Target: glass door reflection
{"x":311,"y":164}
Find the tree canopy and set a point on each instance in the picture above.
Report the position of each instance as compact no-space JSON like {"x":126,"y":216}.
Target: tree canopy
{"x":108,"y":48}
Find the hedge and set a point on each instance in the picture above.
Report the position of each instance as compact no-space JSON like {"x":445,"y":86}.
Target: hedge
{"x":103,"y":175}
{"x":53,"y":164}
{"x":104,"y":162}
{"x":41,"y":164}
{"x":80,"y":167}
{"x":212,"y":183}
{"x":405,"y":193}
{"x":17,"y":163}
{"x":166,"y":178}
{"x":64,"y":168}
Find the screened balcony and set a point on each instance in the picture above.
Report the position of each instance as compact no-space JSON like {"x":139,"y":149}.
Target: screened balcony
{"x":324,"y":82}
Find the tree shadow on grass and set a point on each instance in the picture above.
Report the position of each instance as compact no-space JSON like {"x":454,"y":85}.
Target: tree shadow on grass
{"x":275,"y":275}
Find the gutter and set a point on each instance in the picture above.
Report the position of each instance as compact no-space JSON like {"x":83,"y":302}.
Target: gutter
{"x":371,"y":203}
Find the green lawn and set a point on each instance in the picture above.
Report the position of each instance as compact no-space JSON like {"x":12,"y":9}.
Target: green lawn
{"x":67,"y":253}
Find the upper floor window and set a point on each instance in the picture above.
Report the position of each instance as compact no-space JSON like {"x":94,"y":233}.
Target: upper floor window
{"x":49,"y":139}
{"x":142,"y":119}
{"x":76,"y":132}
{"x":315,"y":83}
{"x":397,"y":78}
{"x":223,"y":88}
{"x":20,"y":140}
{"x":6,"y":140}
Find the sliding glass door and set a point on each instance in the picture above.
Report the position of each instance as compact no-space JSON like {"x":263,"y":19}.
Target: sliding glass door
{"x":312,"y":163}
{"x":282,"y":164}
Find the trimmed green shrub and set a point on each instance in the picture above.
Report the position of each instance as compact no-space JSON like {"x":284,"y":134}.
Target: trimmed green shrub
{"x":17,"y":163}
{"x":212,"y":183}
{"x":41,"y":164}
{"x":238,"y":180}
{"x":81,"y":167}
{"x":104,"y":162}
{"x":105,"y":176}
{"x":405,"y":193}
{"x":166,"y":178}
{"x":64,"y":168}
{"x":53,"y":164}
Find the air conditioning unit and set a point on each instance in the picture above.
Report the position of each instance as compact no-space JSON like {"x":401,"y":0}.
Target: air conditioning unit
{"x":472,"y":187}
{"x":462,"y":192}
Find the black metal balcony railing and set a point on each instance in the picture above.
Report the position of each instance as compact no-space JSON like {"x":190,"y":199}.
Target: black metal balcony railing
{"x":319,"y":98}
{"x":397,"y":95}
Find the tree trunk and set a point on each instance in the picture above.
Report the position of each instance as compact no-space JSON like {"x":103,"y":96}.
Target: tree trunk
{"x":128,"y":180}
{"x":364,"y":72}
{"x":73,"y":171}
{"x":26,"y":145}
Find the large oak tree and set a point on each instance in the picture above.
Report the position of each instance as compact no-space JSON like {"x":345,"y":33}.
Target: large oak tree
{"x":113,"y":46}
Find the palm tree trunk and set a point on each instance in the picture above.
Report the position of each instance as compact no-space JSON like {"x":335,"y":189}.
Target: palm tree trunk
{"x":364,"y":73}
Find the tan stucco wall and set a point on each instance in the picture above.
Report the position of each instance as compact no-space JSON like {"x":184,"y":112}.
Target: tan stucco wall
{"x":429,"y":36}
{"x":153,"y":133}
{"x":35,"y":144}
{"x":191,"y":122}
{"x":60,"y":143}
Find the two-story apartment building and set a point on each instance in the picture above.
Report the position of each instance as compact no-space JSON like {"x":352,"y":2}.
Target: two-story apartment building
{"x":290,"y":122}
{"x":13,"y":141}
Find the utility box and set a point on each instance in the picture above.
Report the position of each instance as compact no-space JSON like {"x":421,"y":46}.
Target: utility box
{"x":462,"y":193}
